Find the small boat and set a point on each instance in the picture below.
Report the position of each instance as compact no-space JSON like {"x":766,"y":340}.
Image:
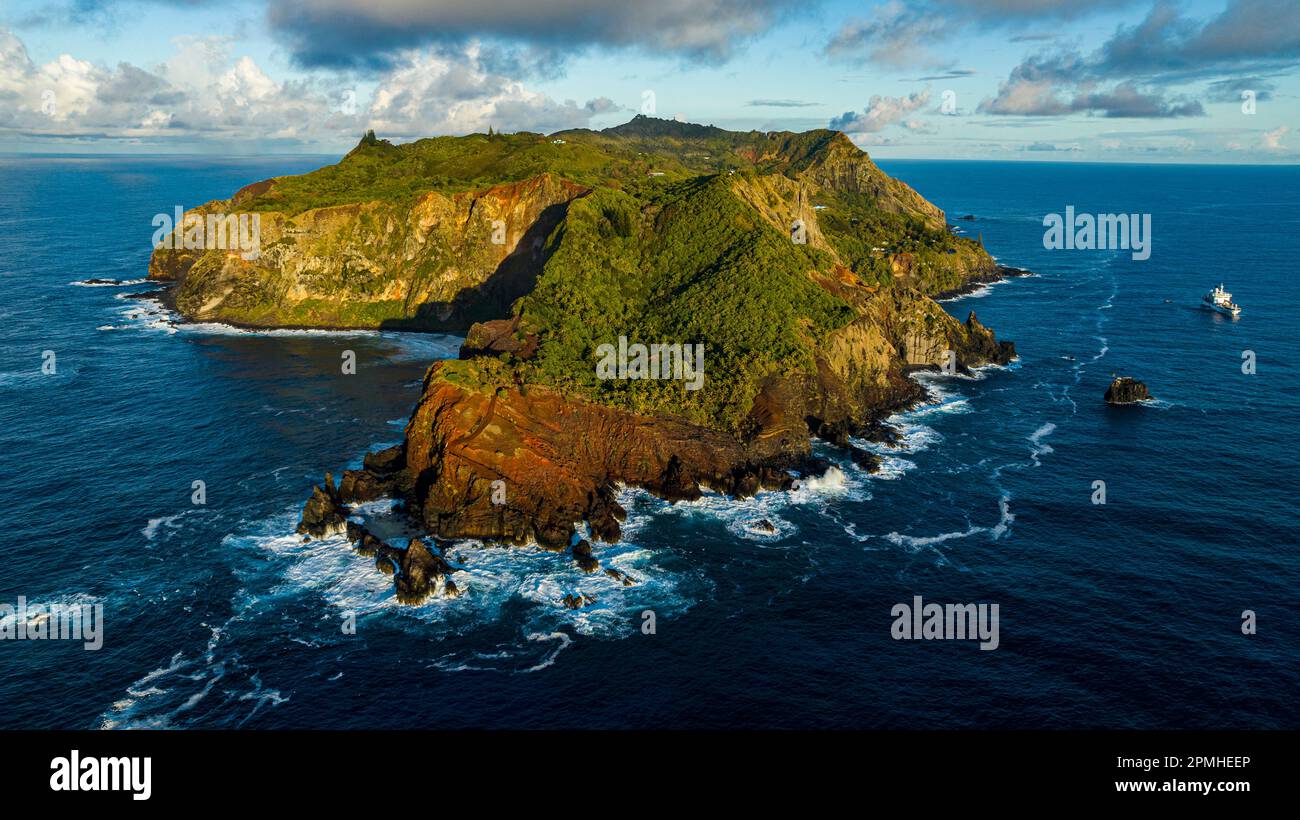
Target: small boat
{"x":1220,"y":301}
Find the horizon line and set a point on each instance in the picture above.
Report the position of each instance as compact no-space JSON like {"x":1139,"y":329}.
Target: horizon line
{"x":875,"y":157}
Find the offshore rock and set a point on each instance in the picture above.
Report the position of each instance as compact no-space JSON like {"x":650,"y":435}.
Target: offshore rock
{"x":324,"y":515}
{"x":1125,"y":390}
{"x":622,"y":577}
{"x":583,"y":558}
{"x":422,"y":574}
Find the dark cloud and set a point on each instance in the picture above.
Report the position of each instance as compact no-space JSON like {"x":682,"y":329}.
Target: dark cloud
{"x":1231,"y":90}
{"x":1126,"y":100}
{"x":781,"y":103}
{"x":1049,"y":96}
{"x":368,"y":33}
{"x":953,"y":74}
{"x":1127,"y":76}
{"x":915,"y":33}
{"x":1165,"y":43}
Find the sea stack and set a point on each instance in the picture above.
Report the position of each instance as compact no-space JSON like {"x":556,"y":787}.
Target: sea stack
{"x":1125,"y":390}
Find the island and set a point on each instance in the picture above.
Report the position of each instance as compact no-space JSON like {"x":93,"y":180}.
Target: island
{"x":664,"y":305}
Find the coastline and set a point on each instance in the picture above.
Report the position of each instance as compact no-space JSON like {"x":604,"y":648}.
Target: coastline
{"x":976,"y":283}
{"x":164,"y":297}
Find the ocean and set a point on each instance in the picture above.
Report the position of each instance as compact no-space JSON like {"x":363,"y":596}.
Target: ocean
{"x":1126,"y":614}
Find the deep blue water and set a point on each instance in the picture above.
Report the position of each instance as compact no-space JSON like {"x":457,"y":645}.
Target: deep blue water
{"x":1126,"y":614}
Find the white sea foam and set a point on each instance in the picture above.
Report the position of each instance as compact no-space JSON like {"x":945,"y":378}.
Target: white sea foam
{"x":149,"y":314}
{"x":261,"y":696}
{"x":1038,"y":448}
{"x":985,"y":288}
{"x":755,"y":529}
{"x":833,"y":481}
{"x":564,"y":641}
{"x":979,"y":293}
{"x":169,"y":522}
{"x":222,"y":329}
{"x":127,"y":712}
{"x":1005,"y":517}
{"x":144,"y":314}
{"x":743,"y":516}
{"x":941,"y":400}
{"x":914,"y":436}
{"x":916,"y":542}
{"x":892,"y":468}
{"x":110,"y":283}
{"x":493,"y":580}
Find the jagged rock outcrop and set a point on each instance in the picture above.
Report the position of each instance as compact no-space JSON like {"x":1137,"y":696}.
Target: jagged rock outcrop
{"x":422,"y":574}
{"x":583,"y":558}
{"x":383,"y":476}
{"x":325,"y":514}
{"x":1126,"y":390}
{"x":418,"y":573}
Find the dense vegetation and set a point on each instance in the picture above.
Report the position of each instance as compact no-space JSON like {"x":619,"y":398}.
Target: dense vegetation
{"x":625,"y":157}
{"x":681,"y":240}
{"x":691,"y":264}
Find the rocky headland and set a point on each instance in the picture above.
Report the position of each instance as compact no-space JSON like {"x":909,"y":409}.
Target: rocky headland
{"x":806,"y":273}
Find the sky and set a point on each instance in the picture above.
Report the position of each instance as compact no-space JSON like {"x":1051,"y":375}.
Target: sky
{"x":1214,"y":81}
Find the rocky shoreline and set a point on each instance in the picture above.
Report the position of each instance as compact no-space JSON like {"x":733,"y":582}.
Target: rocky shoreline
{"x":978,"y":281}
{"x":165,"y":297}
{"x":452,"y":479}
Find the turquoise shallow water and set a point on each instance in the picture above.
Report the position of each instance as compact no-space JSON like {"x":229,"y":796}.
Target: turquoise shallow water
{"x":1118,"y":615}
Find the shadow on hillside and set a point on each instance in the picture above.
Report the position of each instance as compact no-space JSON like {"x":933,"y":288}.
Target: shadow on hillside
{"x":516,"y":276}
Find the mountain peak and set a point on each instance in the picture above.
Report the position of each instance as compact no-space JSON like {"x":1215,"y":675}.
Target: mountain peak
{"x":645,"y":126}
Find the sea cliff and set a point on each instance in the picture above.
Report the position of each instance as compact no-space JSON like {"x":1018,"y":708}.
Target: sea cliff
{"x":804,"y":274}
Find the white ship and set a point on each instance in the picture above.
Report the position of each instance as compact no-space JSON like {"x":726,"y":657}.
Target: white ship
{"x":1220,"y":300}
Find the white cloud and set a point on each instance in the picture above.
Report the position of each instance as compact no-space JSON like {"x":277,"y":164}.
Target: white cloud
{"x":882,"y":111}
{"x":432,"y":94}
{"x":205,"y":93}
{"x":1272,"y":140}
